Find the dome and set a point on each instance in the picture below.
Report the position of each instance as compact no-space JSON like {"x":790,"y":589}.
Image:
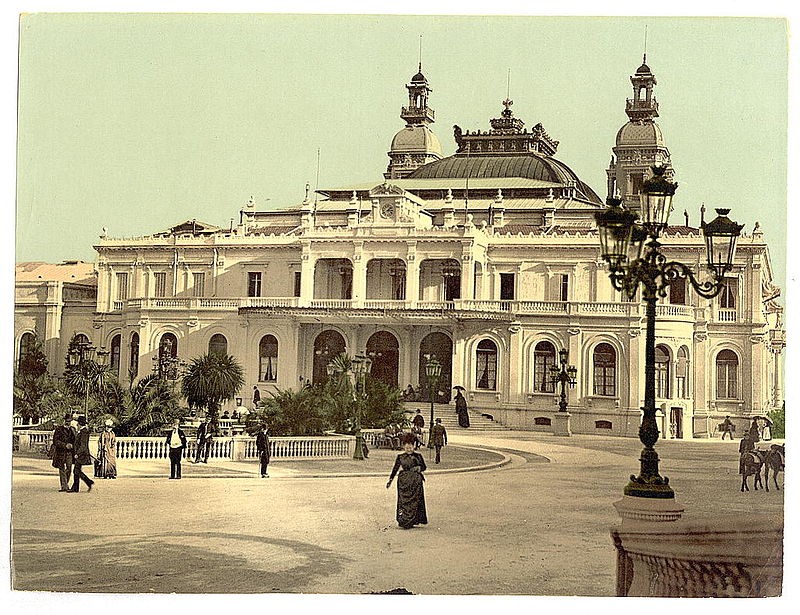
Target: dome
{"x":530,"y":166}
{"x":417,"y":138}
{"x":646,"y":133}
{"x":418,"y":78}
{"x":644,"y":69}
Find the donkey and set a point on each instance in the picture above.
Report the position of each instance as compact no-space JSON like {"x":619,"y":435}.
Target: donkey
{"x":775,"y":458}
{"x":750,"y":465}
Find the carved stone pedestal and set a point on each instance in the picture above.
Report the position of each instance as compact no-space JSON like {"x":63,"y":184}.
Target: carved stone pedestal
{"x":635,"y":511}
{"x":561,"y":425}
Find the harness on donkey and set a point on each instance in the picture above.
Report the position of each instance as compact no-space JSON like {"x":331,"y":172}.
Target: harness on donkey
{"x":751,"y":462}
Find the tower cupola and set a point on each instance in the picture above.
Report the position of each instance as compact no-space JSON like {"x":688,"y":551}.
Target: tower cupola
{"x":416,"y":144}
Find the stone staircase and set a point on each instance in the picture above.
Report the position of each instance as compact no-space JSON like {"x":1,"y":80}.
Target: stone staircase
{"x":447,"y":412}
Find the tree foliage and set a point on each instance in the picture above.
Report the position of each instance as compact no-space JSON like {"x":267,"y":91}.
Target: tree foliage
{"x":778,"y":418}
{"x":210,"y":380}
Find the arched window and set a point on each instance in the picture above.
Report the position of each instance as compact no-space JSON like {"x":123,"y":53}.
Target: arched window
{"x":727,"y":375}
{"x":604,"y":360}
{"x":133,"y":368}
{"x":544,"y":357}
{"x":268,"y":359}
{"x":116,"y":343}
{"x":218,"y":345}
{"x":662,"y":372}
{"x":168,"y":347}
{"x":26,"y":344}
{"x":486,"y":365}
{"x":682,"y":373}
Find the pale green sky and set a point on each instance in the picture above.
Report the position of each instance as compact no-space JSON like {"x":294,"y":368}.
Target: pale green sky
{"x":138,"y":121}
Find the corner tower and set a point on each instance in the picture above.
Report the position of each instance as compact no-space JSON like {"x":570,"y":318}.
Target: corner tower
{"x":416,"y":144}
{"x":640,"y":144}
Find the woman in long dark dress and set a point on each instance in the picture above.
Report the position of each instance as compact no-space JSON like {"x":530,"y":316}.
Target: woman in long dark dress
{"x":461,"y":410}
{"x":409,"y":467}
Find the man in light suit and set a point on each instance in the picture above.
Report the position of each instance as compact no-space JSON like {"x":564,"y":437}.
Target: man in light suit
{"x":176,"y":440}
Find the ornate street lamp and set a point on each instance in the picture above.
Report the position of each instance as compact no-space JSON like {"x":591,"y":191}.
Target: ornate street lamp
{"x":82,"y":357}
{"x":433,"y":370}
{"x":360,"y":366}
{"x":565,"y":375}
{"x":633,"y":261}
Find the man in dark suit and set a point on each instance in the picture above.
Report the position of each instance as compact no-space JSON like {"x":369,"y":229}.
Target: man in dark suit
{"x":63,"y":450}
{"x":82,"y":456}
{"x":439,"y":438}
{"x":418,"y":423}
{"x":205,"y":436}
{"x":262,"y":446}
{"x":176,"y":440}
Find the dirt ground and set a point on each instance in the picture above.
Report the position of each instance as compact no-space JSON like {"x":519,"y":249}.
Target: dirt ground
{"x":538,"y":525}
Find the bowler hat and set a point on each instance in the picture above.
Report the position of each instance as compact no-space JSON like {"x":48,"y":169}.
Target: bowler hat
{"x":81,"y":420}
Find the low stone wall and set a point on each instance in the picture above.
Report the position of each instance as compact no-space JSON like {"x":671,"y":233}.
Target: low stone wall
{"x":735,"y":556}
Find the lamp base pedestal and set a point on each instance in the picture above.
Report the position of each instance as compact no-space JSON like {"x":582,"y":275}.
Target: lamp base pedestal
{"x":561,"y":424}
{"x":636,"y":511}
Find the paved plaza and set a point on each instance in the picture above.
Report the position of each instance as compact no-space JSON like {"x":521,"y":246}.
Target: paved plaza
{"x":509,"y":513}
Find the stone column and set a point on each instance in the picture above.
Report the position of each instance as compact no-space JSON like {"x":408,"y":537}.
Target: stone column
{"x":359,"y":278}
{"x":412,"y":275}
{"x":306,"y":277}
{"x":467,"y":274}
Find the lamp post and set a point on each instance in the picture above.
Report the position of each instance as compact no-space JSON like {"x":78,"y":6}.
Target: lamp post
{"x":360,"y":366}
{"x":632,"y":251}
{"x":564,"y":375}
{"x":433,"y":370}
{"x":81,"y":357}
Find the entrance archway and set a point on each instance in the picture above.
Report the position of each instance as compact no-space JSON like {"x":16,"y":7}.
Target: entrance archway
{"x":327,"y":345}
{"x":383,"y":349}
{"x":440,"y":346}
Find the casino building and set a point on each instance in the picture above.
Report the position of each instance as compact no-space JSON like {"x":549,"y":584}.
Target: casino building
{"x":487,"y":258}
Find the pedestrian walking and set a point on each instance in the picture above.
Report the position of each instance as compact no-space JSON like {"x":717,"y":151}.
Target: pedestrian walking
{"x":205,"y":437}
{"x":256,"y":397}
{"x":727,"y":427}
{"x":63,"y":450}
{"x":82,"y":456}
{"x":176,"y":440}
{"x":754,"y":431}
{"x":439,"y":438}
{"x":745,"y":446}
{"x":262,"y":446}
{"x":461,"y":410}
{"x":418,"y":423}
{"x":106,"y":463}
{"x":409,"y":467}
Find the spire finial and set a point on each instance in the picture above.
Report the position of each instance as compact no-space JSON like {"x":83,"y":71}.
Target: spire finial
{"x":508,"y":85}
{"x":644,"y":55}
{"x":420,"y":53}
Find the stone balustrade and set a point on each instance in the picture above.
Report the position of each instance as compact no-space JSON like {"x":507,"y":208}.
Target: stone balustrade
{"x":731,"y":556}
{"x":234,"y":448}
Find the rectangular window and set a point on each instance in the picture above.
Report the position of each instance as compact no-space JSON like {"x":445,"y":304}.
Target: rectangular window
{"x":677,"y":292}
{"x":637,"y":180}
{"x":199,"y":284}
{"x":727,"y":386}
{"x":506,"y":287}
{"x":160,"y":279}
{"x":487,"y":370}
{"x":727,"y":298}
{"x":254,"y":284}
{"x":564,"y":288}
{"x":122,"y":286}
{"x":297,"y":279}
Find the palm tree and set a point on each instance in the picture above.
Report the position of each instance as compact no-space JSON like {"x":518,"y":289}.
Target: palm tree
{"x":149,"y":405}
{"x":211,"y":380}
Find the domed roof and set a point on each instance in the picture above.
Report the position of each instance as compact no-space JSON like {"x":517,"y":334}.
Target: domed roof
{"x":529,"y":165}
{"x":418,"y":138}
{"x":644,"y":69}
{"x":418,"y":78}
{"x":645,"y":133}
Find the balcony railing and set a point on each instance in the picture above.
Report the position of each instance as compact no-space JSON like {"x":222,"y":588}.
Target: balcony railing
{"x":726,"y":315}
{"x":584,"y":308}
